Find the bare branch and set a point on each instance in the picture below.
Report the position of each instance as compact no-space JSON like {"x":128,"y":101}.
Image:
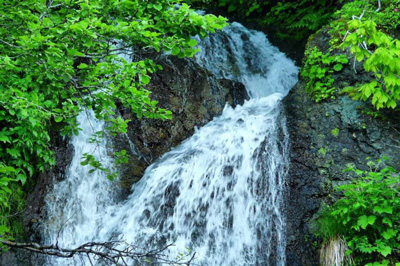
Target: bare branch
{"x":9,"y":44}
{"x":112,"y":253}
{"x":379,"y":6}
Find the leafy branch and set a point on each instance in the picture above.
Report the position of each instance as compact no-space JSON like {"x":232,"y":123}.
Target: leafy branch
{"x":58,"y":58}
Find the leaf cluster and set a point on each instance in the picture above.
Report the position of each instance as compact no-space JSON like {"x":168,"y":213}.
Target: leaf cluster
{"x":366,"y":34}
{"x":380,"y":55}
{"x":297,"y":19}
{"x":60,"y":57}
{"x":317,"y":72}
{"x":367,"y":216}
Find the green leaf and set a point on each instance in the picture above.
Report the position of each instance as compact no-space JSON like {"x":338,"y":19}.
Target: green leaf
{"x":145,"y":79}
{"x":7,"y":169}
{"x":371,"y":219}
{"x":390,"y":233}
{"x":364,"y":221}
{"x":158,"y":7}
{"x":387,"y":221}
{"x":335,"y":132}
{"x":385,"y":250}
{"x":22,"y":178}
{"x":4,"y":138}
{"x":338,"y":67}
{"x":359,"y":57}
{"x":83,"y":66}
{"x":391,"y":104}
{"x":74,"y":52}
{"x":175,"y":51}
{"x":192,"y":43}
{"x":13,"y":152}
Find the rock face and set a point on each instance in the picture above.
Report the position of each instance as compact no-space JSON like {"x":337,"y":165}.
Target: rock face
{"x":193,"y":95}
{"x":324,"y":138}
{"x":34,"y":210}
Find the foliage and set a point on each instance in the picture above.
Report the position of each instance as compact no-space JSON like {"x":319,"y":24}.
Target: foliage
{"x":12,"y":199}
{"x":335,"y":132}
{"x":302,"y":18}
{"x":317,"y":73}
{"x":366,"y":34}
{"x":367,"y":216}
{"x":58,"y":57}
{"x":387,"y":17}
{"x":383,"y":60}
{"x":298,"y":19}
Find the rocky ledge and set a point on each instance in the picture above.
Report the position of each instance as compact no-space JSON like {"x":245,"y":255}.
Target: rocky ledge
{"x":324,"y":138}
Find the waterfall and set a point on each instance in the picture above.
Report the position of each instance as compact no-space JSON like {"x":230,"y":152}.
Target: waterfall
{"x":219,"y":194}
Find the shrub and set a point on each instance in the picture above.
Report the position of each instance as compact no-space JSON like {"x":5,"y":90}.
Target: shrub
{"x":317,"y":73}
{"x":367,"y":216}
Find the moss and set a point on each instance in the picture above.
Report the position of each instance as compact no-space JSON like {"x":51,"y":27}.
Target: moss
{"x":335,"y":132}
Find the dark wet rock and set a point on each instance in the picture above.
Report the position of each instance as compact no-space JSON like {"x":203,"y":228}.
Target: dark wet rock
{"x":34,"y":211}
{"x":193,"y":95}
{"x":324,"y":138}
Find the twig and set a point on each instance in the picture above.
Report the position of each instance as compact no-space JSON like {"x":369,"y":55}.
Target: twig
{"x":379,"y":6}
{"x":9,"y":44}
{"x":107,"y":252}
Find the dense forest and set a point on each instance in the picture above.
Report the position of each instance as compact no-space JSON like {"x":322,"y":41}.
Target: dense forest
{"x":60,"y":58}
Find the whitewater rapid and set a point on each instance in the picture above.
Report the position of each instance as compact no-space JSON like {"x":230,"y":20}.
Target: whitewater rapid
{"x":219,"y":194}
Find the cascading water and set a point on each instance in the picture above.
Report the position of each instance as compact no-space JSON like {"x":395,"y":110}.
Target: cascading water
{"x":74,"y":204}
{"x":220,"y":193}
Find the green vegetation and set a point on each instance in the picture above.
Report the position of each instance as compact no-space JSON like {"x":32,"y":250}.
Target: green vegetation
{"x":317,"y":73}
{"x":381,"y":56}
{"x":365,"y":33}
{"x":335,"y":132}
{"x":297,"y":19}
{"x":59,"y":57}
{"x":368,"y":216}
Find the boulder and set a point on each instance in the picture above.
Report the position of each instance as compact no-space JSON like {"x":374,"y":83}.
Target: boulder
{"x":192,"y":94}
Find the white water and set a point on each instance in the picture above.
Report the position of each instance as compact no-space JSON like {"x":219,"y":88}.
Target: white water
{"x":220,"y":193}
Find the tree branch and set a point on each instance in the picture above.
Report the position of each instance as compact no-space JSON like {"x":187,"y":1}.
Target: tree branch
{"x":114,"y":252}
{"x":379,"y":6}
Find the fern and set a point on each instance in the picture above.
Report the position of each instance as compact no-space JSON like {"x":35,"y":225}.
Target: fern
{"x":298,"y":19}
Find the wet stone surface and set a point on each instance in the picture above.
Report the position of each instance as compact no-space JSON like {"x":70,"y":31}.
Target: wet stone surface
{"x":324,"y":138}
